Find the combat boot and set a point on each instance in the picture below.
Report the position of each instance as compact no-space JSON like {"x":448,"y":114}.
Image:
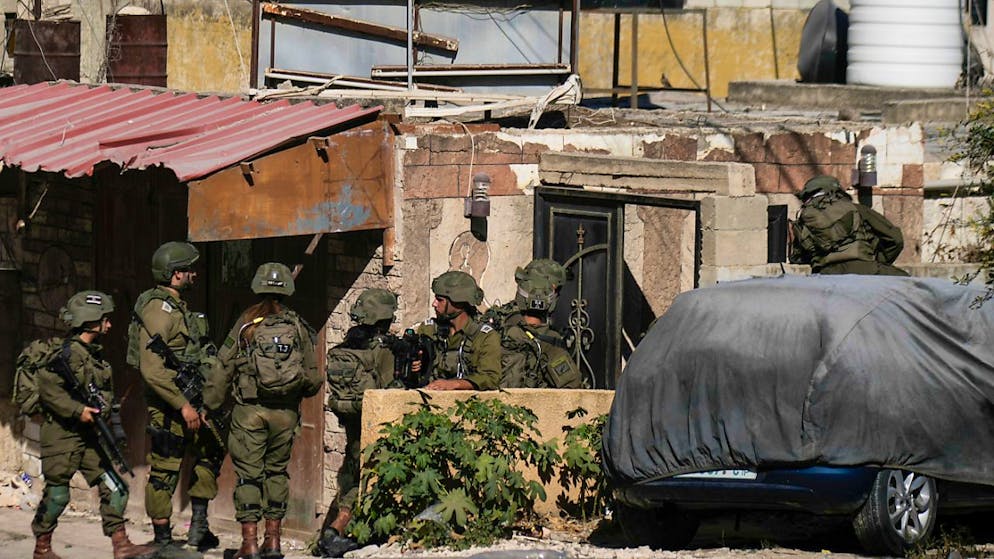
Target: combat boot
{"x":250,"y":542}
{"x":271,"y":544}
{"x":169,"y":549}
{"x":43,"y":547}
{"x":332,"y":543}
{"x":124,"y":549}
{"x":200,"y":535}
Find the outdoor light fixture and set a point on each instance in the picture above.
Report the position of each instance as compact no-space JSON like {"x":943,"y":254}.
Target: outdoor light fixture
{"x":478,"y":203}
{"x":865,"y":174}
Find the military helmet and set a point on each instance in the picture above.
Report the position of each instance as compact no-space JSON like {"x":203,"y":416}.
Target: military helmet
{"x":273,"y":277}
{"x":537,"y":295}
{"x":172,"y":256}
{"x":543,"y":268}
{"x":459,"y":287}
{"x":86,"y":306}
{"x":822,"y":183}
{"x":374,"y":305}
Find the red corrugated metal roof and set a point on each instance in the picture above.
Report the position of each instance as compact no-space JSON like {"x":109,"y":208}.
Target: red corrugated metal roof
{"x":68,"y":128}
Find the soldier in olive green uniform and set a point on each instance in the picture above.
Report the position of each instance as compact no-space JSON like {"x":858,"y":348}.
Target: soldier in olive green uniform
{"x":68,"y":440}
{"x":363,"y":361}
{"x":268,"y":365}
{"x":173,"y":423}
{"x":543,"y":269}
{"x":467,"y":353}
{"x":836,"y":236}
{"x":534,"y":355}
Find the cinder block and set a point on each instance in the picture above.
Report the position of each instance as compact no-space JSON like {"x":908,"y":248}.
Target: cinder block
{"x":734,"y":214}
{"x":734,"y":248}
{"x":32,"y":430}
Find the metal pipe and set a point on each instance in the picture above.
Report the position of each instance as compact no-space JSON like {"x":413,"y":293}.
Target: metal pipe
{"x":410,"y":44}
{"x":634,"y":99}
{"x":254,"y":72}
{"x":707,"y":66}
{"x":574,"y":41}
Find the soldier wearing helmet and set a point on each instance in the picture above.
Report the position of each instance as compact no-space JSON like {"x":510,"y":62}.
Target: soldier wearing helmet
{"x":67,"y":442}
{"x":534,"y":355}
{"x":543,"y":270}
{"x":267,"y":364}
{"x":467,"y":353}
{"x":363,"y":361}
{"x":836,"y":236}
{"x":173,"y":422}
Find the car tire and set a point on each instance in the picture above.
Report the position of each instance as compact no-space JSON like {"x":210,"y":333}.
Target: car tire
{"x":662,"y":528}
{"x":898,"y":514}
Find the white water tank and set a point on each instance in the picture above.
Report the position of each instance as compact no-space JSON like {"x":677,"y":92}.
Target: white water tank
{"x":905,"y":43}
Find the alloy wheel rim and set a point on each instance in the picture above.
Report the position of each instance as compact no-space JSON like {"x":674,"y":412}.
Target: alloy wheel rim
{"x":910,"y":504}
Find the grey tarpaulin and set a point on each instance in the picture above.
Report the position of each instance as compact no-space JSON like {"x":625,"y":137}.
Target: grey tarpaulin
{"x":791,"y":371}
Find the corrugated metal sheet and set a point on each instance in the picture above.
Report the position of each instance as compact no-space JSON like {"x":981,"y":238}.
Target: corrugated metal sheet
{"x":69,"y":128}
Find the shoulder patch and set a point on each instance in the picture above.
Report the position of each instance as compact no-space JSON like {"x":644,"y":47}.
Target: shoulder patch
{"x":166,"y":306}
{"x":486,"y":328}
{"x":229,"y":341}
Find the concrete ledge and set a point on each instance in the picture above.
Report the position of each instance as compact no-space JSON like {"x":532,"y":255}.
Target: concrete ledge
{"x":952,"y":109}
{"x":783,"y":93}
{"x":387,"y":406}
{"x":583,"y":169}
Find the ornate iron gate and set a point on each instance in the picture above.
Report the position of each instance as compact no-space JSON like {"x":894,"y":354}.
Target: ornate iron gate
{"x":584,"y":231}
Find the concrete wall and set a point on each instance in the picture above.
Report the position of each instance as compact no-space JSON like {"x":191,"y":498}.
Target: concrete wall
{"x":210,"y":45}
{"x":551,"y":407}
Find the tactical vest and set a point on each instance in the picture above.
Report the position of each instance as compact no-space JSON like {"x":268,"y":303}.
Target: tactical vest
{"x":198,"y":343}
{"x":453,"y":362}
{"x":350,"y":373}
{"x":836,"y":231}
{"x":534,"y":360}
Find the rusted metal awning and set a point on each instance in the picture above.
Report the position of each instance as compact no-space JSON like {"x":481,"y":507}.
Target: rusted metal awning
{"x":328,"y":184}
{"x":69,"y":128}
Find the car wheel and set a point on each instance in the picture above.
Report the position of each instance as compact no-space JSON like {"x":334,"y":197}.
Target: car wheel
{"x":899,"y":513}
{"x":663,"y":528}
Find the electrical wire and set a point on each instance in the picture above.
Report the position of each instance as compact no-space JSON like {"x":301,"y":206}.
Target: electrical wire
{"x":679,"y":59}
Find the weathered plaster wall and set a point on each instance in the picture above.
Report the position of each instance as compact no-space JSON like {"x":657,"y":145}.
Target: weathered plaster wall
{"x":210,"y":45}
{"x":740,"y":46}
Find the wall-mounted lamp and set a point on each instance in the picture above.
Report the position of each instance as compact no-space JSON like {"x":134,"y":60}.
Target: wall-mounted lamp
{"x":477,"y":206}
{"x":478,"y":203}
{"x":865,"y":174}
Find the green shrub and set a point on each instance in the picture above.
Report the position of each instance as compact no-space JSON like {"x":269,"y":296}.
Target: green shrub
{"x":453,"y":477}
{"x":581,"y":468}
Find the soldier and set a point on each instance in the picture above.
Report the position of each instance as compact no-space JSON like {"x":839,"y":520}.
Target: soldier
{"x":540,"y":268}
{"x":837,"y":236}
{"x":173,"y":423}
{"x":534,"y":355}
{"x":467,"y":354}
{"x":68,"y":440}
{"x":267,"y":364}
{"x":361,"y":362}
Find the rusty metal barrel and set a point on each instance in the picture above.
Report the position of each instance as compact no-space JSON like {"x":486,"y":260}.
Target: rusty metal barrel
{"x":138,"y":49}
{"x":46,"y":51}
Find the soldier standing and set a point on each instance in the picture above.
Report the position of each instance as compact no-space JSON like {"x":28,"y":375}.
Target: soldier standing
{"x":68,"y":439}
{"x":268,"y":364}
{"x":837,"y":236}
{"x":173,"y":422}
{"x":467,"y":353}
{"x":363,"y":361}
{"x":534,"y":355}
{"x":544,"y":269}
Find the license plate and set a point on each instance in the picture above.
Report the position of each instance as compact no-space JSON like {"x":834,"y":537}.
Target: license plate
{"x":720,"y":474}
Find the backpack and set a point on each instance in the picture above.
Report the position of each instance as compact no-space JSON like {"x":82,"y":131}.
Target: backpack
{"x":35,"y":356}
{"x":275,"y":352}
{"x":350,"y":373}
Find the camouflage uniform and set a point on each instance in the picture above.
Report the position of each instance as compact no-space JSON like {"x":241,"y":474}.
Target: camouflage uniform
{"x":837,"y":236}
{"x":265,"y":419}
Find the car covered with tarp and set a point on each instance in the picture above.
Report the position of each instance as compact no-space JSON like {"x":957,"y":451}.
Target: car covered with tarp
{"x":831,"y":394}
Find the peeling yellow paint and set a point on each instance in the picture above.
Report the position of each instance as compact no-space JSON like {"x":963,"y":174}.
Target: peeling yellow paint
{"x":740,"y":47}
{"x":203,"y":54}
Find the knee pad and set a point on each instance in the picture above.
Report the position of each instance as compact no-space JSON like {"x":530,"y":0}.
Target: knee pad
{"x":54,"y":500}
{"x":117,"y":494}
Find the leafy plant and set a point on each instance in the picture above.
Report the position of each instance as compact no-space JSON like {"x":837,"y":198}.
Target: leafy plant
{"x":453,"y":477}
{"x":581,"y":470}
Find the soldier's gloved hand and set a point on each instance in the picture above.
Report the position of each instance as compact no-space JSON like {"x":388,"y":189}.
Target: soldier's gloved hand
{"x":190,"y":416}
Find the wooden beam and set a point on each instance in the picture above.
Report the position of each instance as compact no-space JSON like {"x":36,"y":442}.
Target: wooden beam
{"x":426,"y":40}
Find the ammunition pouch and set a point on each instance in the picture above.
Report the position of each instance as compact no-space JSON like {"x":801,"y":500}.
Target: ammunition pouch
{"x":166,"y":444}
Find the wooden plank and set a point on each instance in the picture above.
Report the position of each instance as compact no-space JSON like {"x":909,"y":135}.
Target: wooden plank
{"x":329,"y":184}
{"x":421,"y":39}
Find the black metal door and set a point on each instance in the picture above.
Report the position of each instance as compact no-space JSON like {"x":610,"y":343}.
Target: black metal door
{"x":588,"y":238}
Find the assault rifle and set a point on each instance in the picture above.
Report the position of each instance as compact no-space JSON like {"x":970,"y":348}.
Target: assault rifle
{"x":406,"y":350}
{"x":91,"y":397}
{"x":188,"y":379}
